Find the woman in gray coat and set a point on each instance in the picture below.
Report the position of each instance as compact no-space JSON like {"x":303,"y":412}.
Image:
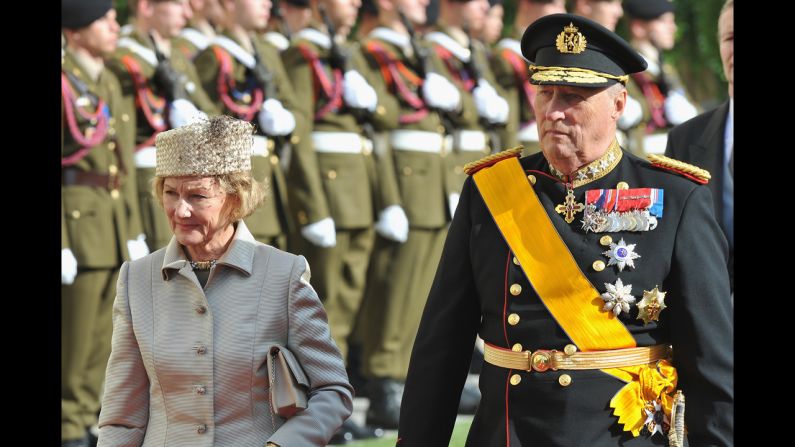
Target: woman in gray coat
{"x":193,"y":322}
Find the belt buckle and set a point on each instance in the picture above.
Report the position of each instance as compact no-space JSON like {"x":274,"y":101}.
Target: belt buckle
{"x":541,"y":360}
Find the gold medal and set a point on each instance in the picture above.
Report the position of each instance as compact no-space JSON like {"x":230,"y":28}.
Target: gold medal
{"x":570,"y":207}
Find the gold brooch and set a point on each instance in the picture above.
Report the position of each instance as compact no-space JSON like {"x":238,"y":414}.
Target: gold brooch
{"x":570,"y":40}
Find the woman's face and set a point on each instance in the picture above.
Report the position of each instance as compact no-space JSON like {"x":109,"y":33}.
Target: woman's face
{"x":196,"y":208}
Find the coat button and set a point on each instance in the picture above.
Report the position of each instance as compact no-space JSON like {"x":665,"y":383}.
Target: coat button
{"x":606,"y":240}
{"x":599,"y":265}
{"x":332,"y":174}
{"x":570,"y":349}
{"x":407,"y":170}
{"x":564,"y":380}
{"x":271,"y":144}
{"x":75,"y":214}
{"x":622,"y":185}
{"x":201,"y":389}
{"x":201,"y":428}
{"x":111,"y":145}
{"x":515,"y":261}
{"x":515,"y":379}
{"x":125,"y":117}
{"x":274,"y":159}
{"x":517,"y":347}
{"x":201,"y":349}
{"x":513,"y":319}
{"x":114,"y":194}
{"x":113,"y":169}
{"x":532,"y":178}
{"x":516,"y":289}
{"x":295,"y":139}
{"x":201,"y":309}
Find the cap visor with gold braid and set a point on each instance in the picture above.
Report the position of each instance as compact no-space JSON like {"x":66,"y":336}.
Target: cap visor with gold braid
{"x":213,"y":146}
{"x":567,"y":49}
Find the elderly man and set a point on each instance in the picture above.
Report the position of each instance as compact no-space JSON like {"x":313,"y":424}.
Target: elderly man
{"x":708,"y":139}
{"x":600,"y":312}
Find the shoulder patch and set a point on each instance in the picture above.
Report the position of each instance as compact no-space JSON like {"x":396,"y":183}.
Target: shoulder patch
{"x":475,"y":166}
{"x":692,"y":172}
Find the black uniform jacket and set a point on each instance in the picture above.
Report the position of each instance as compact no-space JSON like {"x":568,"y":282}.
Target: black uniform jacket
{"x":685,"y":255}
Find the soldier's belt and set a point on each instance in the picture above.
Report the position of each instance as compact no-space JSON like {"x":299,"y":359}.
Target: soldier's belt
{"x":542,"y":360}
{"x":469,"y":140}
{"x":76,"y":177}
{"x":341,"y":143}
{"x":146,"y":157}
{"x":416,"y":140}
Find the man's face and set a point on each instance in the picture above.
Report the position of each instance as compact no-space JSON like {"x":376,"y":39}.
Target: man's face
{"x":606,"y":13}
{"x":414,"y":10}
{"x":576,"y":121}
{"x":342,"y":14}
{"x":726,"y":39}
{"x":493,"y":25}
{"x":474,"y":14}
{"x":252,"y":14}
{"x":168,"y":18}
{"x":662,"y":31}
{"x":554,"y":7}
{"x":100,"y":37}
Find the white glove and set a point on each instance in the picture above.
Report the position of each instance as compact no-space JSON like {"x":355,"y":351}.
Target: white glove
{"x":452,"y":202}
{"x":490,"y":104}
{"x":182,"y":112}
{"x":137,"y":247}
{"x":440,"y":93}
{"x":393,"y":224}
{"x":274,"y":119}
{"x":321,"y":233}
{"x":632,"y":115}
{"x":68,"y":267}
{"x":678,"y":109}
{"x":358,"y":93}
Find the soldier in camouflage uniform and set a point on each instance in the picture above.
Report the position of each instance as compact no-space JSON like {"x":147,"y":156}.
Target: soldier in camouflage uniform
{"x":100,"y":226}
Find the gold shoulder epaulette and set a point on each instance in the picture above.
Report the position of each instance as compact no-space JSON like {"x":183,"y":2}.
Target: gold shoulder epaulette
{"x":475,"y":166}
{"x":692,"y":172}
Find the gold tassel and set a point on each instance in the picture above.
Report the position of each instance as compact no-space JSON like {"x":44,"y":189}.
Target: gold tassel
{"x":676,"y":432}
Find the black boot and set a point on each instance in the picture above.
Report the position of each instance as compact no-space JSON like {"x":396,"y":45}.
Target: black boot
{"x":385,"y":396}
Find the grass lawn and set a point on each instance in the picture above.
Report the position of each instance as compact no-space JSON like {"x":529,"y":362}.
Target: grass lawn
{"x":457,"y":440}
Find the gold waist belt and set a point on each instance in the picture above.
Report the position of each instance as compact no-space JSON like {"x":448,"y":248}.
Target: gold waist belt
{"x":542,"y":360}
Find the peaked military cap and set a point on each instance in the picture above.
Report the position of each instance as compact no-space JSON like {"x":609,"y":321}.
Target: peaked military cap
{"x":566,"y":49}
{"x":647,"y":9}
{"x":76,"y":14}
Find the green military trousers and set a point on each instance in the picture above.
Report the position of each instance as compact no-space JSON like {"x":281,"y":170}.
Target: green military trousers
{"x":339,"y":274}
{"x":398,"y":284}
{"x":156,"y":227}
{"x":86,"y":329}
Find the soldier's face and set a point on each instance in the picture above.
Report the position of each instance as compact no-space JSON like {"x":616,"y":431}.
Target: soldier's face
{"x":100,"y":37}
{"x":493,"y":24}
{"x":606,"y":13}
{"x":196,"y":211}
{"x":576,"y":121}
{"x":726,"y":39}
{"x":474,"y":13}
{"x":414,"y":10}
{"x":343,"y":14}
{"x":253,"y":14}
{"x":168,"y":18}
{"x":662,"y":31}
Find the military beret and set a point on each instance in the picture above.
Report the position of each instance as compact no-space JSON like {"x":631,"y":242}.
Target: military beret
{"x":647,"y":9}
{"x":76,"y":14}
{"x":566,"y":49}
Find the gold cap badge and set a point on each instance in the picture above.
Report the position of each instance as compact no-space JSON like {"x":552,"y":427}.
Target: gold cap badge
{"x":570,"y":40}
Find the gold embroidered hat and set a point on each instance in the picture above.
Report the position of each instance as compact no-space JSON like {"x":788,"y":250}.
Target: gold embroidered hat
{"x":566,"y":49}
{"x":213,"y":146}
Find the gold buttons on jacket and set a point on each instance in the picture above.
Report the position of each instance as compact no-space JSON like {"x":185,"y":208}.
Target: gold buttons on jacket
{"x":513,"y":319}
{"x":570,"y":349}
{"x":407,"y":170}
{"x":606,"y":240}
{"x":302,"y":218}
{"x":125,"y":117}
{"x":515,"y":379}
{"x":516,"y":289}
{"x":517,"y":347}
{"x":271,"y":144}
{"x":440,"y":129}
{"x":111,"y":145}
{"x":112,"y":169}
{"x":622,"y":185}
{"x":114,"y":194}
{"x":515,"y":261}
{"x":332,"y":174}
{"x":598,"y":265}
{"x":380,"y":110}
{"x":246,"y":98}
{"x":75,"y":214}
{"x":564,"y":380}
{"x":274,"y":159}
{"x":295,"y":139}
{"x":532,"y":178}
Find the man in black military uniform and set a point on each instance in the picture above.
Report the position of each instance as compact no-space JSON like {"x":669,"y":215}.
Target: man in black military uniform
{"x":598,"y":280}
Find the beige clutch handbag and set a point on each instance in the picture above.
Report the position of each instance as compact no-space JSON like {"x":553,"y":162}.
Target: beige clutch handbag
{"x":288,"y":383}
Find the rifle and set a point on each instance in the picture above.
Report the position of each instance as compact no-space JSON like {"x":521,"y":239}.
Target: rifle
{"x":165,"y":77}
{"x":477,"y":73}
